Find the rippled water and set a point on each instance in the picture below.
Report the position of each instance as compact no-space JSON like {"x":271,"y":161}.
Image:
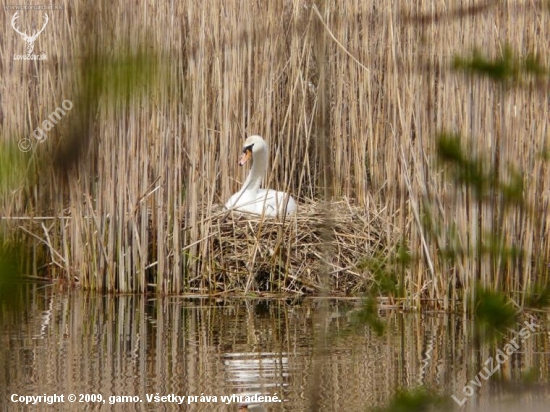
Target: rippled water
{"x":308,"y":353}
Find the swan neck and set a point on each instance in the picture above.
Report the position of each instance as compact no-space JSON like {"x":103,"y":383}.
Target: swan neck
{"x":257,"y":172}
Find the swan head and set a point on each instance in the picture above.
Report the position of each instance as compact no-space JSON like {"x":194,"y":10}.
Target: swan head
{"x":253,"y":144}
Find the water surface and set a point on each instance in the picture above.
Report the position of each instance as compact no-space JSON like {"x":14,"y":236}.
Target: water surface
{"x":300,"y":351}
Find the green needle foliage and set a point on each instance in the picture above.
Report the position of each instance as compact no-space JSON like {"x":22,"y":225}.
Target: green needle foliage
{"x":508,"y":68}
{"x":368,"y":315}
{"x":493,"y":311}
{"x":538,"y":297}
{"x":465,"y":170}
{"x":108,"y":82}
{"x":416,"y":400}
{"x":499,"y":192}
{"x":13,"y":260}
{"x":14,"y":168}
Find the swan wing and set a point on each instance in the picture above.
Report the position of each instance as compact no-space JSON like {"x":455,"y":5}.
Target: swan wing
{"x":276,"y":203}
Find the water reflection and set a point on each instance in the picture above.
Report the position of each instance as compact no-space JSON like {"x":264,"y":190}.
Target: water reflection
{"x":140,"y":347}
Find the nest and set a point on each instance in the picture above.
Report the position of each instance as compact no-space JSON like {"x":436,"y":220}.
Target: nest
{"x":318,"y":250}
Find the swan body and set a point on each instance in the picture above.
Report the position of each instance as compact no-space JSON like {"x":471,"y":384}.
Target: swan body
{"x":251,"y":198}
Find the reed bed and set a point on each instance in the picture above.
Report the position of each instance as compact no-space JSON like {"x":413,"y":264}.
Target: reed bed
{"x":350,"y":100}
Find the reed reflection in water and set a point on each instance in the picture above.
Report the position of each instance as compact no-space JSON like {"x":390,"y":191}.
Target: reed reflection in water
{"x":134,"y":345}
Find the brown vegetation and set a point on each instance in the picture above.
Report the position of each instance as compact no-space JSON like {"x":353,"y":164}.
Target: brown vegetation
{"x":350,"y":100}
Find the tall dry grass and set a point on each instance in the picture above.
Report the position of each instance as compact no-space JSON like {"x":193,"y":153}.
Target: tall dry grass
{"x":350,"y":100}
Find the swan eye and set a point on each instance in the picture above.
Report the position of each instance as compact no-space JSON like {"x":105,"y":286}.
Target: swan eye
{"x":248,"y":148}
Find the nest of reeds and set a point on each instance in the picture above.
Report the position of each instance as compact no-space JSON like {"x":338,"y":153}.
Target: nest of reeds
{"x":318,"y":250}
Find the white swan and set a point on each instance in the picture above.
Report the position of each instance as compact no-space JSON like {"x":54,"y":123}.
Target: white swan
{"x":251,"y":198}
{"x":252,"y":408}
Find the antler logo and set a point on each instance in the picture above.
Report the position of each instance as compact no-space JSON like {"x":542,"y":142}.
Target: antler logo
{"x":29,"y":39}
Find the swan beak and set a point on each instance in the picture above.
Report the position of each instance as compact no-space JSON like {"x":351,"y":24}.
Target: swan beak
{"x":247,"y":154}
